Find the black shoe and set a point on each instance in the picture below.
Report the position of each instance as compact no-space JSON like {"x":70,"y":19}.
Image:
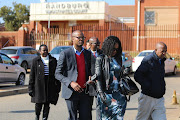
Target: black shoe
{"x":46,"y":113}
{"x":45,"y":118}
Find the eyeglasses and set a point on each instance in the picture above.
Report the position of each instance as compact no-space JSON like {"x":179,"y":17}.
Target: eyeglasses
{"x":80,"y":37}
{"x":115,"y":49}
{"x":45,"y":50}
{"x":94,"y":43}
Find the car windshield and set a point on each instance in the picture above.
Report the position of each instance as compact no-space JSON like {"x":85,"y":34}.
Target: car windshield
{"x":8,"y":51}
{"x":57,"y":50}
{"x":143,"y":54}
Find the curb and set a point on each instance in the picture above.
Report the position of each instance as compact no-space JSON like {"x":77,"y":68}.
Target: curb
{"x":13,"y":90}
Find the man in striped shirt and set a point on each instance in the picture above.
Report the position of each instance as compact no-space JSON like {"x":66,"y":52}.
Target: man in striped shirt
{"x":43,"y":87}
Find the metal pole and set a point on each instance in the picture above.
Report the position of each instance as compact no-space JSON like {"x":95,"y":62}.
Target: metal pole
{"x":49,"y":24}
{"x":138,"y":23}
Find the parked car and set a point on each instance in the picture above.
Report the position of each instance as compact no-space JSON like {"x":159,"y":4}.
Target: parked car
{"x":127,"y":60}
{"x":10,"y":71}
{"x":170,"y":63}
{"x":56,"y":51}
{"x":23,"y":55}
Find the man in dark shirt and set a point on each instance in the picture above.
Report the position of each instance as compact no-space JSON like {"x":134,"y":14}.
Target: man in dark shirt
{"x":150,"y":75}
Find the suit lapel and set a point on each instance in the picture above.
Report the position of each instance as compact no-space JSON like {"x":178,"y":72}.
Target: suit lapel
{"x":72,"y":53}
{"x":86,"y":64}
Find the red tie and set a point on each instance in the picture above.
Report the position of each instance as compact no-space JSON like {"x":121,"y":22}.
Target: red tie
{"x":94,"y":54}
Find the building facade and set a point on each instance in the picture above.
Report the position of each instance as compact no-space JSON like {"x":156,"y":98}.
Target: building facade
{"x":155,"y":21}
{"x":65,"y":14}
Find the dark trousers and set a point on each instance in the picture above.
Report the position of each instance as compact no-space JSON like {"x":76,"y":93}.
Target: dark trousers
{"x":92,"y":100}
{"x":79,"y":102}
{"x":38,"y":107}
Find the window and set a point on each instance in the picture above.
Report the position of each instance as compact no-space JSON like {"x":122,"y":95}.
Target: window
{"x":57,"y":50}
{"x":143,"y":54}
{"x":6,"y":60}
{"x":22,"y":51}
{"x":149,"y":18}
{"x":8,"y":51}
{"x":33,"y":51}
{"x":27,"y":51}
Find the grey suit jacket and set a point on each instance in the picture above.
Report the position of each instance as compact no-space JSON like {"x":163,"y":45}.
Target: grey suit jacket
{"x":66,"y":70}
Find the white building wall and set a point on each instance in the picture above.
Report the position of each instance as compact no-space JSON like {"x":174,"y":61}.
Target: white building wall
{"x":61,"y":11}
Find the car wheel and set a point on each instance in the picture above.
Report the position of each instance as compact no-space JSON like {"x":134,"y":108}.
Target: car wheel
{"x":24,"y":65}
{"x":21,"y":79}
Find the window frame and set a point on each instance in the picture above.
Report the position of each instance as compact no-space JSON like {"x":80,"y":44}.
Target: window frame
{"x":145,"y":18}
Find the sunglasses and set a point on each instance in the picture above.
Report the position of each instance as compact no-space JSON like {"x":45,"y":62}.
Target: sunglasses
{"x":80,"y":37}
{"x":94,"y":43}
{"x":115,"y":49}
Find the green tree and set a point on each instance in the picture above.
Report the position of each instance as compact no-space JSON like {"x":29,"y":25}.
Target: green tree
{"x":14,"y":18}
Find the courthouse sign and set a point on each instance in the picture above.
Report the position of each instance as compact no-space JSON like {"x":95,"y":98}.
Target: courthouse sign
{"x":67,"y":8}
{"x":68,"y":11}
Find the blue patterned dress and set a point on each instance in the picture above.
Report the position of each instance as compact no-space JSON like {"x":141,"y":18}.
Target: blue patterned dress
{"x":116,"y":108}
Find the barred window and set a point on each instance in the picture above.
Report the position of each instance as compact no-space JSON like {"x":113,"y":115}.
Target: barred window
{"x":149,"y":17}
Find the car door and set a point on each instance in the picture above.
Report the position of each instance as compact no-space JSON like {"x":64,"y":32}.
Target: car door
{"x":10,"y":73}
{"x":2,"y":70}
{"x":27,"y":53}
{"x":168,"y":63}
{"x":171,"y":63}
{"x":33,"y":54}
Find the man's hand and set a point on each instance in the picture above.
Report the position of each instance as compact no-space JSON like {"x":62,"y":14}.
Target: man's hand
{"x":76,"y":87}
{"x":90,"y":81}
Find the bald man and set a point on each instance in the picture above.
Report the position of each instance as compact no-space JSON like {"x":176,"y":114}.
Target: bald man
{"x":73,"y":71}
{"x":150,"y":75}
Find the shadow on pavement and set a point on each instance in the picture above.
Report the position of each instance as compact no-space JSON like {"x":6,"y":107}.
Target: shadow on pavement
{"x":23,"y":111}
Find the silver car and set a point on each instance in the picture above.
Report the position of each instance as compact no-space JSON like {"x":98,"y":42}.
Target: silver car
{"x":10,"y":71}
{"x":23,"y":55}
{"x":55,"y":52}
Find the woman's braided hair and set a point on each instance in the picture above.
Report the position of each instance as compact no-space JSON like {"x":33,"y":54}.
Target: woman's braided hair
{"x":108,"y":47}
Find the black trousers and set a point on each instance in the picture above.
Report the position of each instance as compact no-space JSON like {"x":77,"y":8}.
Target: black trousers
{"x":79,"y":102}
{"x":46,"y":108}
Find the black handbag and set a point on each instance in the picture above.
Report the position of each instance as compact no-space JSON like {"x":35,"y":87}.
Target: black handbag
{"x":127,"y":86}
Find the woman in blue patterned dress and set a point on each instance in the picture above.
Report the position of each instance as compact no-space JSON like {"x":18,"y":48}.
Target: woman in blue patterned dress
{"x":111,"y":103}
